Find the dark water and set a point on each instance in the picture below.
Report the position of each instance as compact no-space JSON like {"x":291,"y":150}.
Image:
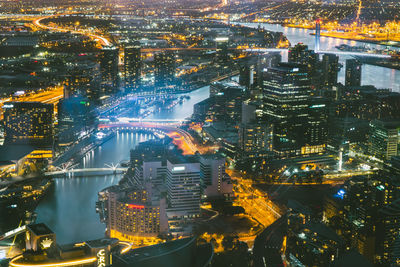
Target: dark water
{"x":70,"y":210}
{"x":371,"y":75}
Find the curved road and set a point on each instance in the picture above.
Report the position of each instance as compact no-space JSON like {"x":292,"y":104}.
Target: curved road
{"x":102,"y":40}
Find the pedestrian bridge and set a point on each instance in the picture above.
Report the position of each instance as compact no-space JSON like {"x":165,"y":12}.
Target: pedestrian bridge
{"x":86,"y":171}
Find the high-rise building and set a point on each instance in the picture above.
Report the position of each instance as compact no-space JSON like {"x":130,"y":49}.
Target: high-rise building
{"x":75,"y":114}
{"x":353,"y":72}
{"x":164,"y":68}
{"x":216,"y":182}
{"x":81,"y":81}
{"x":134,"y":215}
{"x":108,"y":59}
{"x":132,"y":67}
{"x":289,"y":107}
{"x":246,"y":75}
{"x":330,"y":70}
{"x":300,"y":54}
{"x":384,"y":138}
{"x":28,"y":123}
{"x":183,"y":188}
{"x":255,"y":139}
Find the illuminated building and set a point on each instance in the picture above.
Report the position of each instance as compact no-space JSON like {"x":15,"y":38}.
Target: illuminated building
{"x":75,"y":115}
{"x":313,"y":244}
{"x":255,"y":139}
{"x":164,"y":68}
{"x":384,"y":138}
{"x":353,"y":72}
{"x":135,"y":215}
{"x":28,"y":123}
{"x":81,"y":81}
{"x":132,"y":67}
{"x":300,"y":54}
{"x":215,"y":180}
{"x":42,"y":250}
{"x":108,"y":59}
{"x":293,"y":113}
{"x":183,"y":188}
{"x":330,"y":70}
{"x":387,"y":232}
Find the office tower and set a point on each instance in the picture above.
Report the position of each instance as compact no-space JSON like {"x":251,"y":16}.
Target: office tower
{"x":75,"y":115}
{"x":353,"y":72}
{"x":151,"y":171}
{"x":183,"y":188}
{"x":215,"y":181}
{"x":300,"y":54}
{"x":330,"y":70}
{"x":316,"y":133}
{"x":81,"y":81}
{"x":134,"y":215}
{"x":164,"y":68}
{"x":28,"y":123}
{"x":255,"y":139}
{"x":132,"y":67}
{"x":387,"y":232}
{"x":287,"y":94}
{"x":108,"y":59}
{"x":384,"y":138}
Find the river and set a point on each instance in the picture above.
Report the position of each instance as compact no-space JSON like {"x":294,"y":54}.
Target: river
{"x":70,"y":209}
{"x":371,"y":75}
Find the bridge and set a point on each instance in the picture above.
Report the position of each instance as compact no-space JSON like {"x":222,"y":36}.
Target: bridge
{"x":171,"y":122}
{"x":86,"y":170}
{"x":171,"y":129}
{"x":69,"y":168}
{"x":346,"y":53}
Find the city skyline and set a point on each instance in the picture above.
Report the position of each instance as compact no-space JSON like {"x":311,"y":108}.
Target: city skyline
{"x":199,"y":133}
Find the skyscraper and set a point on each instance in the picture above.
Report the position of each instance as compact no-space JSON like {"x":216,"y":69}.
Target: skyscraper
{"x":28,"y":123}
{"x":384,"y":138}
{"x":353,"y":72}
{"x":108,"y":59}
{"x":183,"y":188}
{"x":132,"y":67}
{"x":164,"y":68}
{"x":300,"y":54}
{"x":289,"y":107}
{"x":330,"y":69}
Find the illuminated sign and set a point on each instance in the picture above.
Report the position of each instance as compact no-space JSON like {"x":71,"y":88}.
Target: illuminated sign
{"x":18,"y":93}
{"x":101,"y":258}
{"x":133,"y":206}
{"x":179,"y":168}
{"x":221,"y":39}
{"x":8,"y":106}
{"x":46,"y":243}
{"x":296,"y":69}
{"x":318,"y":106}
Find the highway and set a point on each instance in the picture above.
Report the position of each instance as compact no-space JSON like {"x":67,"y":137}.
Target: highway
{"x":100,"y":39}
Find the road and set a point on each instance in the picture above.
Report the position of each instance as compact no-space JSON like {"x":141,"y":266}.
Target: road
{"x":103,"y":41}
